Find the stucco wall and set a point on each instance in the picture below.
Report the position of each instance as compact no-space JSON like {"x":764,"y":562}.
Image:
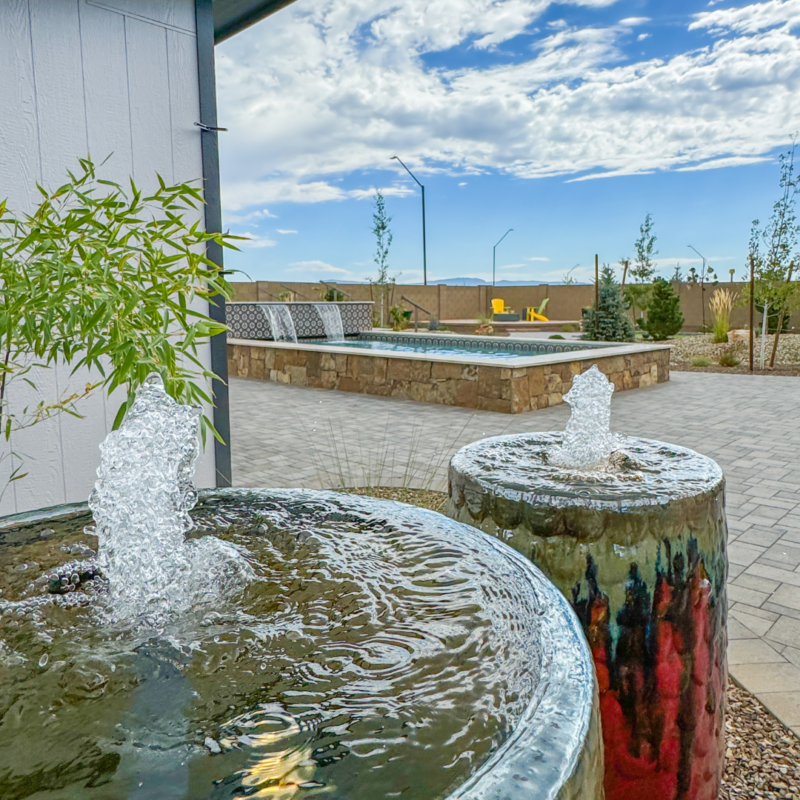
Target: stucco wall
{"x":116,"y":79}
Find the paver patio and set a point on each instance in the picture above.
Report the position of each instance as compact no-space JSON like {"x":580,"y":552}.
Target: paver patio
{"x":293,"y":436}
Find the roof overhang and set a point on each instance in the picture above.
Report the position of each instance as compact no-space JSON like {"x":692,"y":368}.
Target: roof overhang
{"x":232,"y":16}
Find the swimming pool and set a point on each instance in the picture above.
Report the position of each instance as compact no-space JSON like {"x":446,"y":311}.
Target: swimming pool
{"x":475,"y":347}
{"x":489,"y":373}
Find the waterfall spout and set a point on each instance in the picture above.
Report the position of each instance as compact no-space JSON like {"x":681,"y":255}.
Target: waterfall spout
{"x":331,"y":316}
{"x":280,"y":321}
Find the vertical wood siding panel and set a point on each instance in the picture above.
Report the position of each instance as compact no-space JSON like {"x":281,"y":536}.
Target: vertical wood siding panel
{"x":148,"y":85}
{"x":106,"y":91}
{"x":179,"y":13}
{"x":19,"y":143}
{"x":56,"y":37}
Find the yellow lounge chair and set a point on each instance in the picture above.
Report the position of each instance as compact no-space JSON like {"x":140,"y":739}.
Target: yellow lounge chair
{"x":499,"y":306}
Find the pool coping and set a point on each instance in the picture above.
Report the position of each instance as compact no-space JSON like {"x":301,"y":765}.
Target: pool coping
{"x":595,"y":350}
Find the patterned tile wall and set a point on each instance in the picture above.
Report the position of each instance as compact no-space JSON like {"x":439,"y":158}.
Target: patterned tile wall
{"x":248,"y":320}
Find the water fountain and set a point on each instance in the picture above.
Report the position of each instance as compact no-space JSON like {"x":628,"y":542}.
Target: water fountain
{"x":633,"y":532}
{"x":288,"y":644}
{"x":331,"y":316}
{"x":280,"y":320}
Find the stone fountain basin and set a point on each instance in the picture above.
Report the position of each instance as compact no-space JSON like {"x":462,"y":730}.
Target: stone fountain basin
{"x":554,"y":751}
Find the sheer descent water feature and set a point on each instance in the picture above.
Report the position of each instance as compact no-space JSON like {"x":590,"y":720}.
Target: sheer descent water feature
{"x":288,"y":644}
{"x":633,"y":532}
{"x":331,"y":316}
{"x":280,"y":321}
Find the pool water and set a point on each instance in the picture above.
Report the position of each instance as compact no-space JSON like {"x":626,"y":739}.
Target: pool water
{"x":475,"y":349}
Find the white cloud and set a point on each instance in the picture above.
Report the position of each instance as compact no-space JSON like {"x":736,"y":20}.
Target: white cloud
{"x":537,"y":258}
{"x":332,"y":87}
{"x":251,"y":240}
{"x":463,"y":183}
{"x":251,"y":218}
{"x":642,"y":36}
{"x":751,"y":18}
{"x":318,"y":267}
{"x":632,"y":22}
{"x":285,"y":231}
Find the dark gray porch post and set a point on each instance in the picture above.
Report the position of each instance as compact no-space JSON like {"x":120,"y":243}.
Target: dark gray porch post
{"x":208,"y":116}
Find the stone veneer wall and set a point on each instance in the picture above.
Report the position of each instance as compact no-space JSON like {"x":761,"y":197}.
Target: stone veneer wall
{"x":484,"y":387}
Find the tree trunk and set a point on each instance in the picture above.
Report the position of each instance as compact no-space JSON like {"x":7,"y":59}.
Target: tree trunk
{"x":780,"y":322}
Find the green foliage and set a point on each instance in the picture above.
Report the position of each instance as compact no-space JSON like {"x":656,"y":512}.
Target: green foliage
{"x":773,"y":251}
{"x":569,"y":327}
{"x":664,"y":318}
{"x":399,"y":319}
{"x":644,"y":268}
{"x":556,"y":336}
{"x":701,"y":361}
{"x":729,"y":359}
{"x":610,"y":322}
{"x":383,"y":238}
{"x":332,"y":295}
{"x":103,"y":277}
{"x":637,"y":294}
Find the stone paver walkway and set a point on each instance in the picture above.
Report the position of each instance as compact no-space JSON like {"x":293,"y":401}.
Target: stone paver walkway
{"x":293,"y":436}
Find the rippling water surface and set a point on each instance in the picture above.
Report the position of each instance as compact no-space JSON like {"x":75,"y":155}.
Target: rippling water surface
{"x":373,"y":656}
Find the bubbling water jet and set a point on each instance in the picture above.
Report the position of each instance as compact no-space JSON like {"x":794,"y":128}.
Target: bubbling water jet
{"x":141,"y":504}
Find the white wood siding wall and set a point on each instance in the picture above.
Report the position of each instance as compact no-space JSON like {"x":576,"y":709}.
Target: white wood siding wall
{"x":106,"y":78}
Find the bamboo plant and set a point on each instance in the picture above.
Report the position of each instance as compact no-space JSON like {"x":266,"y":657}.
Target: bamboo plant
{"x":104,"y":277}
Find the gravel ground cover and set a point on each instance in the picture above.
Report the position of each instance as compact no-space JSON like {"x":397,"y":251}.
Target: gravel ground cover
{"x":763,"y":757}
{"x":685,"y":348}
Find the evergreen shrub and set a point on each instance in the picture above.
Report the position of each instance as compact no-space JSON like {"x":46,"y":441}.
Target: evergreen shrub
{"x":610,"y":322}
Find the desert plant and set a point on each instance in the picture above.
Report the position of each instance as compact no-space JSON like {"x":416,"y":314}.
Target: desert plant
{"x":701,"y":361}
{"x":664,"y":318}
{"x":398,"y":314}
{"x":104,"y":277}
{"x":609,"y":322}
{"x":556,"y":336}
{"x":728,"y":359}
{"x":721,"y":305}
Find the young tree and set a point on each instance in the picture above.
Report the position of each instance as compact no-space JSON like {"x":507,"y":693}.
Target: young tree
{"x":774,"y":251}
{"x":664,"y":317}
{"x":644,"y":267}
{"x":677,"y":275}
{"x":610,"y":322}
{"x":383,"y":241}
{"x":383,"y":237}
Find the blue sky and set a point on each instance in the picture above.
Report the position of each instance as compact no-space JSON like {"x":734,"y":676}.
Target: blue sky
{"x":567,"y":122}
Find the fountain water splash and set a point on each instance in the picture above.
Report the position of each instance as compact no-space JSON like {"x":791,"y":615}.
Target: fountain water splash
{"x":588,"y":442}
{"x":331,"y":316}
{"x":280,"y":321}
{"x":141,"y":504}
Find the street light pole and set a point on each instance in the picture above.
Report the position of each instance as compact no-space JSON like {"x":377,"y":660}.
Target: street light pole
{"x":494,"y":253}
{"x":424,"y":246}
{"x":702,"y":283}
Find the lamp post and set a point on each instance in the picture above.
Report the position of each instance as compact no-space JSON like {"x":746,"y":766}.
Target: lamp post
{"x":702,"y":283}
{"x":424,"y":248}
{"x":494,"y":253}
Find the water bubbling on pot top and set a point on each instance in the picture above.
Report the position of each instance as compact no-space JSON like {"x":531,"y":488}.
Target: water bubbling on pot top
{"x":141,"y":504}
